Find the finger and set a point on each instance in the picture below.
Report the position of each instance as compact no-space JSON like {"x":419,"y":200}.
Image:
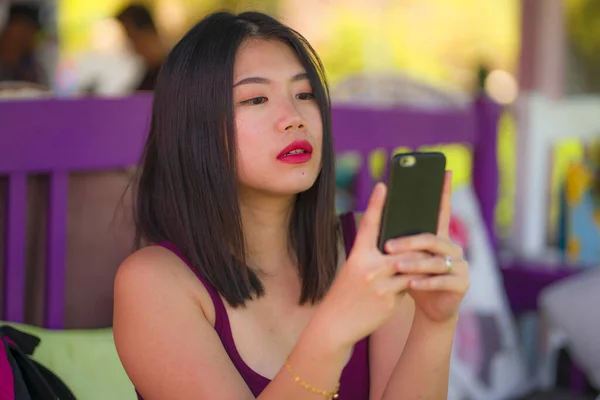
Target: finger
{"x":425,"y":242}
{"x":389,"y":264}
{"x":429,"y":266}
{"x":446,"y":283}
{"x":368,"y":231}
{"x":413,"y":256}
{"x":445,"y":207}
{"x":397,"y":284}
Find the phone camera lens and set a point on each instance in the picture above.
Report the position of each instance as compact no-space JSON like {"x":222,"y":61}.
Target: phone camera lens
{"x":407,"y":161}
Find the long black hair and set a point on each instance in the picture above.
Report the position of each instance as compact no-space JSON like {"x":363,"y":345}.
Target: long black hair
{"x":187,"y":188}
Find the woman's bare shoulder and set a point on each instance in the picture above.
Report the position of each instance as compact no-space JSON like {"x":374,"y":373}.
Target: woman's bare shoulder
{"x":149,"y":267}
{"x":166,"y":345}
{"x":156,"y":269}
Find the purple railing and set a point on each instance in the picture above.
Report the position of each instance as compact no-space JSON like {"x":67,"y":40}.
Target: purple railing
{"x":60,"y":136}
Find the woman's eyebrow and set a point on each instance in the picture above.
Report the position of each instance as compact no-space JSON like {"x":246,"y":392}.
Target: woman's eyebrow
{"x":264,"y":81}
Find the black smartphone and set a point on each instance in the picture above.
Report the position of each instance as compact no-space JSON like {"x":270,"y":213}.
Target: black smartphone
{"x":415,"y":185}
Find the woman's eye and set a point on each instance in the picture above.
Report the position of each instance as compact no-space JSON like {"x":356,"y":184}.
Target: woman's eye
{"x":255,"y":101}
{"x":305,"y":96}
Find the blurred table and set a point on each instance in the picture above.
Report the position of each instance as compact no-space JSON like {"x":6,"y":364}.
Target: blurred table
{"x":524,"y":280}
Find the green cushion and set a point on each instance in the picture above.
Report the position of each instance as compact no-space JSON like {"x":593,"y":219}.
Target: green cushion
{"x":86,"y":360}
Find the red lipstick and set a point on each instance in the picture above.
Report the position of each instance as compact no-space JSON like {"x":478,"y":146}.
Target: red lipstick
{"x":298,"y":152}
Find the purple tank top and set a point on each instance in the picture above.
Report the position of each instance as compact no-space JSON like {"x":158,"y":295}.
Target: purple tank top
{"x":354,"y":382}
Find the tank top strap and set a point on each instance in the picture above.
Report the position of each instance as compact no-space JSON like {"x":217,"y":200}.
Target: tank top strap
{"x":348,"y":221}
{"x":221,"y":318}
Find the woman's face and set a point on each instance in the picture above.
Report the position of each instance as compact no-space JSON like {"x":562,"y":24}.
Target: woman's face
{"x":278,"y":124}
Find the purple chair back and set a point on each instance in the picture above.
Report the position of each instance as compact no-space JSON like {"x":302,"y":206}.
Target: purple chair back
{"x":57,"y":137}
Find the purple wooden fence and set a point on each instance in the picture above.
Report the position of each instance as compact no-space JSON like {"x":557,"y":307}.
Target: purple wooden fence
{"x":56,"y":137}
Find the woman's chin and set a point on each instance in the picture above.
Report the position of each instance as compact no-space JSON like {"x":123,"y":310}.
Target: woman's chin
{"x":289,"y":189}
{"x":299,"y":185}
{"x":282,"y":186}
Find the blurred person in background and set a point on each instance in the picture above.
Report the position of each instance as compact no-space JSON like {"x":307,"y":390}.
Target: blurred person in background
{"x":146,"y":41}
{"x":17,"y":45}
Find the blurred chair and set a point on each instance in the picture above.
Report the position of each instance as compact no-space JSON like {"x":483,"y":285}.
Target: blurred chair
{"x":570,"y":313}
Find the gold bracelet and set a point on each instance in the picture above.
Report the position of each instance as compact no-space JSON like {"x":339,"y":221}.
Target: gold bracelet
{"x":328,"y":395}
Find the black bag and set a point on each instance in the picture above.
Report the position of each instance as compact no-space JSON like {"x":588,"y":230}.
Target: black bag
{"x":21,"y":377}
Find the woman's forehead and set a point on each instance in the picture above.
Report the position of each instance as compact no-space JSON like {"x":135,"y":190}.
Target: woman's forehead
{"x":271,"y":59}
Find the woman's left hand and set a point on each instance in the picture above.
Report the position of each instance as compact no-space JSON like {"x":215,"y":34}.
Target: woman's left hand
{"x":445,"y":280}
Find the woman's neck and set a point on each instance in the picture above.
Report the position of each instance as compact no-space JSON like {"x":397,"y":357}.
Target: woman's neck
{"x":266,"y":221}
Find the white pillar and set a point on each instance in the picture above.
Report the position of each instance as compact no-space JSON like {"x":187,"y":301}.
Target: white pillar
{"x":541,"y":73}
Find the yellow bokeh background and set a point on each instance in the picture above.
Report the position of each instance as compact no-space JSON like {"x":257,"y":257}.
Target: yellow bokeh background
{"x":441,"y":42}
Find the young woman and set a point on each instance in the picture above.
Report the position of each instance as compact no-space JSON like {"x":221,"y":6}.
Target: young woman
{"x":244,"y":289}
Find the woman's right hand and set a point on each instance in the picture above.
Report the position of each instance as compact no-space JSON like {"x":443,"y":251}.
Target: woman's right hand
{"x":367,"y":289}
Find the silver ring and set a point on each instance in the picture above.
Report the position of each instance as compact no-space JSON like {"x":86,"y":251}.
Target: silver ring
{"x":449,"y":264}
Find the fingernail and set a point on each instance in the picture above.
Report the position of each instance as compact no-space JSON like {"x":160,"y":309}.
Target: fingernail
{"x":396,"y":244}
{"x":402,"y":266}
{"x":389,"y":246}
{"x":416,"y":284}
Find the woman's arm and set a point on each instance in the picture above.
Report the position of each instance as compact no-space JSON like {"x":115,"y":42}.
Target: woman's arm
{"x":423,"y":369}
{"x":171,"y":351}
{"x":413,"y":367}
{"x":386,"y":345}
